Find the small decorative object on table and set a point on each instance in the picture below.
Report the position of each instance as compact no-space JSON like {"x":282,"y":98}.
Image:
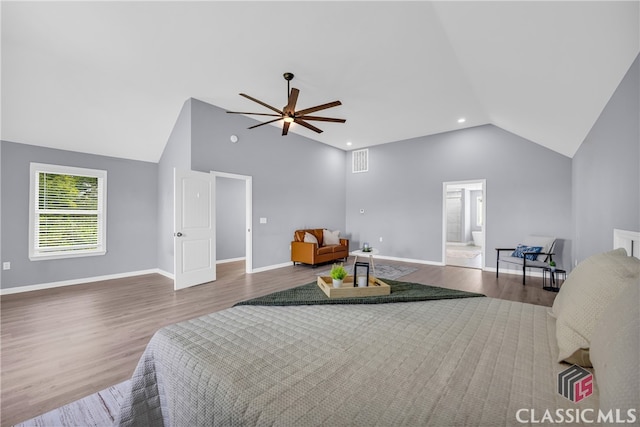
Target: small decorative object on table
{"x":338,"y":273}
{"x":552,"y":265}
{"x":350,"y":289}
{"x":366,"y":247}
{"x":361,"y":280}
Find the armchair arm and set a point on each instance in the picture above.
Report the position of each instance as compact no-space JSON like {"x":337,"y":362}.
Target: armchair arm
{"x":303,"y":252}
{"x":344,"y":242}
{"x":498,"y":250}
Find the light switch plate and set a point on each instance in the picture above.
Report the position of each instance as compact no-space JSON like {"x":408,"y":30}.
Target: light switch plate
{"x":263,"y":220}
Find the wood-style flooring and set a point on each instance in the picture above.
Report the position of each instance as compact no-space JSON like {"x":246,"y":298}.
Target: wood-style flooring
{"x":59,"y":345}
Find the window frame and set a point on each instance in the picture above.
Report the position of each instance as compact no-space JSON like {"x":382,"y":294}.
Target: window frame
{"x":35,"y":253}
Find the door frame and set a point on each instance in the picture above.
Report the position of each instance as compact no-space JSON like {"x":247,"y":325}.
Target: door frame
{"x":248,"y":192}
{"x":483,"y":182}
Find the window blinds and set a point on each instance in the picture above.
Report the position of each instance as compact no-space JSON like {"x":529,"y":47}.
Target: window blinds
{"x":68,"y":214}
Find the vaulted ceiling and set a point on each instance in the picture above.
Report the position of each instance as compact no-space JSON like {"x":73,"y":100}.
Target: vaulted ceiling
{"x":111,"y":77}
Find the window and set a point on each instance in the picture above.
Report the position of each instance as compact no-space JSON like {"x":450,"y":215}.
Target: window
{"x":479,"y":219}
{"x":67,"y":212}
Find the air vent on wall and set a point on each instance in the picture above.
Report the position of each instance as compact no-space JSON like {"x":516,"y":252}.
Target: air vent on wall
{"x":360,"y":161}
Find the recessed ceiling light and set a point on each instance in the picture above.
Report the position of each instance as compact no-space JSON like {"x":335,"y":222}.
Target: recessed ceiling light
{"x":349,"y":143}
{"x":462,"y":120}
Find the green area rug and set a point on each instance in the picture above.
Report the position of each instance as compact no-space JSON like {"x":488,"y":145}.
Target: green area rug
{"x":311,"y":294}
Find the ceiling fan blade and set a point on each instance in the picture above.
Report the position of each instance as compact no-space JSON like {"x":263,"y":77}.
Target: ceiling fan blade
{"x":318,"y":108}
{"x":256,"y":114}
{"x":285,"y":128}
{"x":265,"y":123}
{"x":323,"y":119}
{"x":307,"y":125}
{"x":293,"y":98}
{"x":261,"y":103}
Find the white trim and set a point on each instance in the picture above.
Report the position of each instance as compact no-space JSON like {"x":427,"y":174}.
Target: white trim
{"x":166,"y":274}
{"x":248,"y":194}
{"x":534,"y":272}
{"x":101,"y":211}
{"x":41,"y":286}
{"x":225,"y":261}
{"x":271,"y":267}
{"x":415,"y":261}
{"x":629,"y":240}
{"x":484,"y":217}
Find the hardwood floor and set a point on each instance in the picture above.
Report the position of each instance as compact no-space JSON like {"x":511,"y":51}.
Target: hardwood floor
{"x":59,"y":345}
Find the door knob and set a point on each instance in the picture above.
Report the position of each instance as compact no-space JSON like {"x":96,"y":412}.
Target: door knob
{"x":178,"y":234}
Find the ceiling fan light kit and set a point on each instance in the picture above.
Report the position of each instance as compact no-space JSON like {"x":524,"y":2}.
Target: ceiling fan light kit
{"x":289,"y":114}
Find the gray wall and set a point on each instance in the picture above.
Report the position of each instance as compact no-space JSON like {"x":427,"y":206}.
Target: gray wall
{"x":297,"y":182}
{"x":528,"y":191}
{"x":230,"y":218}
{"x":132,"y":193}
{"x":606,"y":172}
{"x":176,"y":154}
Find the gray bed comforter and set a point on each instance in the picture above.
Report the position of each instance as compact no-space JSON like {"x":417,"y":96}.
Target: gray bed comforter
{"x":475,"y":361}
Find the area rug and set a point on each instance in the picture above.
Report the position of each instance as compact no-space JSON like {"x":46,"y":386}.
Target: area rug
{"x":383,"y":271}
{"x":311,"y":294}
{"x":96,"y":410}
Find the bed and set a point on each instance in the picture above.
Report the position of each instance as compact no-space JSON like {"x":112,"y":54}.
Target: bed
{"x":463,"y":361}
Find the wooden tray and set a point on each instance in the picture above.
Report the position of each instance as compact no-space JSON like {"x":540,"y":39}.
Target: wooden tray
{"x":376,"y":287}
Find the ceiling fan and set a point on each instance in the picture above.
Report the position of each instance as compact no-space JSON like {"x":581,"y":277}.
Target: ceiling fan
{"x":289,"y":114}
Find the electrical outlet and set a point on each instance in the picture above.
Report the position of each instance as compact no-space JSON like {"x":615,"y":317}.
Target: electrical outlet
{"x":381,"y":239}
{"x":6,"y":266}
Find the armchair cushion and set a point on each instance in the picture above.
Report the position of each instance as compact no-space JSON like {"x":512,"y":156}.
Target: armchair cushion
{"x":529,"y":252}
{"x":547,"y":243}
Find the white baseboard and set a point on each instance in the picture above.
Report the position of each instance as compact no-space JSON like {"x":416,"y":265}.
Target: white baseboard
{"x":29,"y":288}
{"x":271,"y":267}
{"x":40,"y":286}
{"x":166,"y":274}
{"x":415,"y":261}
{"x":224,"y":261}
{"x":515,"y":271}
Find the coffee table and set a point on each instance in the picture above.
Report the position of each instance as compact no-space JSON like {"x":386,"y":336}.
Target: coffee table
{"x":370,"y":254}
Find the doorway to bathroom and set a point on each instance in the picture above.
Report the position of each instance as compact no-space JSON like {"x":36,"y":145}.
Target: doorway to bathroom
{"x":463,"y":223}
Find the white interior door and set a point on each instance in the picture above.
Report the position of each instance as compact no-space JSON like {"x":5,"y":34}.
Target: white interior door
{"x":194,"y":228}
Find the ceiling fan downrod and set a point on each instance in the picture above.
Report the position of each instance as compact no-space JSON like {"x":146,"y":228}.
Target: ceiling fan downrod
{"x":288,"y":77}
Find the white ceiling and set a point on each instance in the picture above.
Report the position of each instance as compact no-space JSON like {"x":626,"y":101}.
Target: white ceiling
{"x":111,"y":77}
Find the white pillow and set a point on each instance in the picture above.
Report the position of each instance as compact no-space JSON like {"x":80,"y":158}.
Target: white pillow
{"x":615,"y":349}
{"x":330,"y":237}
{"x":584,"y":296}
{"x":310,"y":238}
